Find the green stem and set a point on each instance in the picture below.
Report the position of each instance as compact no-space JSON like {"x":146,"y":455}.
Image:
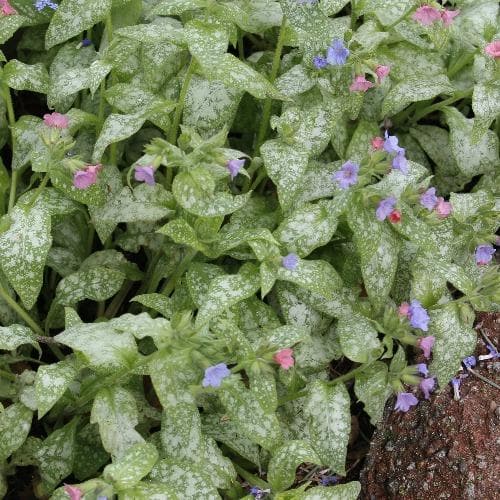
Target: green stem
{"x":118,"y":300}
{"x":241,"y":50}
{"x":266,"y":112}
{"x":172,"y":133}
{"x":113,"y":148}
{"x":436,"y":107}
{"x":12,"y":121}
{"x":251,"y":478}
{"x":21,"y":312}
{"x":8,"y":375}
{"x":13,"y":189}
{"x":100,"y":112}
{"x":169,"y":286}
{"x":39,"y":189}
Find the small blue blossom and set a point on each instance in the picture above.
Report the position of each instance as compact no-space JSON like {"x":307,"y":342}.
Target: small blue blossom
{"x":422,"y":369}
{"x":455,"y":383}
{"x":320,"y":62}
{"x":290,"y":262}
{"x":400,"y":162}
{"x":337,"y":53}
{"x":493,"y":353}
{"x":215,"y":374}
{"x":328,"y":480}
{"x":347,"y":175}
{"x":234,"y":166}
{"x":429,"y":199}
{"x":469,"y":361}
{"x":418,"y":316}
{"x":86,"y":42}
{"x":405,"y":401}
{"x":41,"y":4}
{"x":391,"y":144}
{"x":484,"y":254}
{"x":385,"y":207}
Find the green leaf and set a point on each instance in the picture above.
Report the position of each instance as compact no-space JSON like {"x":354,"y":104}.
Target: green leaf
{"x":56,"y":454}
{"x":136,"y":463}
{"x":372,"y":388}
{"x":378,"y":248}
{"x":72,"y":17}
{"x":331,"y":7}
{"x":104,"y":348}
{"x":23,"y":251}
{"x":115,"y":411}
{"x":285,"y":166}
{"x":116,"y":128}
{"x":26,"y":135}
{"x":156,"y":301}
{"x":358,"y":338}
{"x":329,"y":422}
{"x":9,"y":25}
{"x":90,"y":456}
{"x":359,"y":145}
{"x":20,"y":76}
{"x":51,"y":382}
{"x":263,"y":385}
{"x":295,"y":81}
{"x":176,"y":7}
{"x":486,"y":107}
{"x":13,"y":336}
{"x":285,"y":460}
{"x":207,"y":42}
{"x":15,"y":424}
{"x":310,"y":227}
{"x":161,"y":31}
{"x":194,"y":191}
{"x":227,"y":290}
{"x":315,"y":275}
{"x":348,"y":491}
{"x":149,"y":491}
{"x":449,"y":350}
{"x":182,"y":233}
{"x":246,"y":411}
{"x":387,"y":11}
{"x":414,"y":90}
{"x":472,"y":158}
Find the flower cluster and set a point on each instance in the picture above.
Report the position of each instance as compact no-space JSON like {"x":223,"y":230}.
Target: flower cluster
{"x":336,"y":55}
{"x":41,"y":4}
{"x":427,"y":15}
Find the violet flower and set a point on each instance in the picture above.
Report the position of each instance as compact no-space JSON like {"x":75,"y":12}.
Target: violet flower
{"x":484,"y":254}
{"x":385,"y":207}
{"x":400,"y":163}
{"x":391,"y":144}
{"x":290,"y":261}
{"x":455,"y":383}
{"x":337,"y":53}
{"x":41,"y":4}
{"x":427,"y":386}
{"x":429,"y":199}
{"x":405,"y":401}
{"x":347,"y":175}
{"x":418,"y":316}
{"x":469,"y":361}
{"x":422,"y":369}
{"x":145,"y":173}
{"x":493,"y":353}
{"x":214,"y":375}
{"x":320,"y":62}
{"x":426,"y":344}
{"x":82,"y":179}
{"x":234,"y":166}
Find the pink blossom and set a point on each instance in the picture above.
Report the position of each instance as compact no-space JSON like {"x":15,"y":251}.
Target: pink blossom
{"x":426,"y":344}
{"x":7,"y":9}
{"x":382,"y":72}
{"x":447,"y":16}
{"x":284,"y":358}
{"x":426,"y":15}
{"x":493,"y":49}
{"x":56,"y":120}
{"x":82,"y":179}
{"x":360,"y":84}
{"x":377,"y":143}
{"x":73,"y":492}
{"x":404,"y":309}
{"x":443,"y":208}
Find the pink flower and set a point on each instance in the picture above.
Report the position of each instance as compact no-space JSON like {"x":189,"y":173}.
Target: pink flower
{"x":82,"y":179}
{"x":426,"y":15}
{"x":426,"y":344}
{"x":377,"y":143}
{"x":382,"y":72}
{"x":443,"y":208}
{"x":395,"y":216}
{"x":73,"y":492}
{"x":404,"y":309}
{"x":493,"y":49}
{"x":360,"y":84}
{"x":56,"y":120}
{"x":284,"y":358}
{"x":7,"y":9}
{"x":145,"y":174}
{"x":447,"y":16}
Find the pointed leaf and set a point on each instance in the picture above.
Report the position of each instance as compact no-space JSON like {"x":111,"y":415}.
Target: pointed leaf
{"x":15,"y":424}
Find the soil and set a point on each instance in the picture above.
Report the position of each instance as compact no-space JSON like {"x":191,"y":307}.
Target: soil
{"x":443,"y":448}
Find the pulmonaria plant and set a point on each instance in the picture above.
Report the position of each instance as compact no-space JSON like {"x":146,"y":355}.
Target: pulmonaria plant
{"x":222,"y":231}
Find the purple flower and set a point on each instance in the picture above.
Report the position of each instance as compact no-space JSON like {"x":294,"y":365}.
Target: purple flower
{"x":290,"y":262}
{"x":493,"y":353}
{"x":385,"y":207}
{"x":215,"y":374}
{"x":234,"y":166}
{"x":86,"y":42}
{"x":328,"y":480}
{"x":426,"y":344}
{"x":145,"y":174}
{"x":405,"y":401}
{"x":484,"y":254}
{"x":418,"y":316}
{"x":347,"y":175}
{"x":429,"y":199}
{"x":427,"y":386}
{"x":455,"y":383}
{"x":337,"y":53}
{"x":41,"y":4}
{"x":422,"y":369}
{"x":399,"y":162}
{"x":320,"y":62}
{"x":469,"y":361}
{"x":391,"y":144}
{"x":82,"y":179}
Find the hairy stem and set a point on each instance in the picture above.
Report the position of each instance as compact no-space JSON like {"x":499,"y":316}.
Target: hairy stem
{"x":12,"y":121}
{"x":436,"y":107}
{"x":169,"y":286}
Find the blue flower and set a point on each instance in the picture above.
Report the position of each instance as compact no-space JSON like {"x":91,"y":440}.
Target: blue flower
{"x":405,"y":401}
{"x":215,"y":374}
{"x":337,"y":53}
{"x":429,"y":199}
{"x":328,"y":480}
{"x":418,"y":316}
{"x":234,"y":166}
{"x":319,"y":62}
{"x":400,"y":163}
{"x":385,"y":207}
{"x":455,"y":382}
{"x":86,"y":42}
{"x":347,"y":175}
{"x":41,"y":4}
{"x":469,"y":361}
{"x":422,"y":369}
{"x":290,"y":262}
{"x":391,"y":144}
